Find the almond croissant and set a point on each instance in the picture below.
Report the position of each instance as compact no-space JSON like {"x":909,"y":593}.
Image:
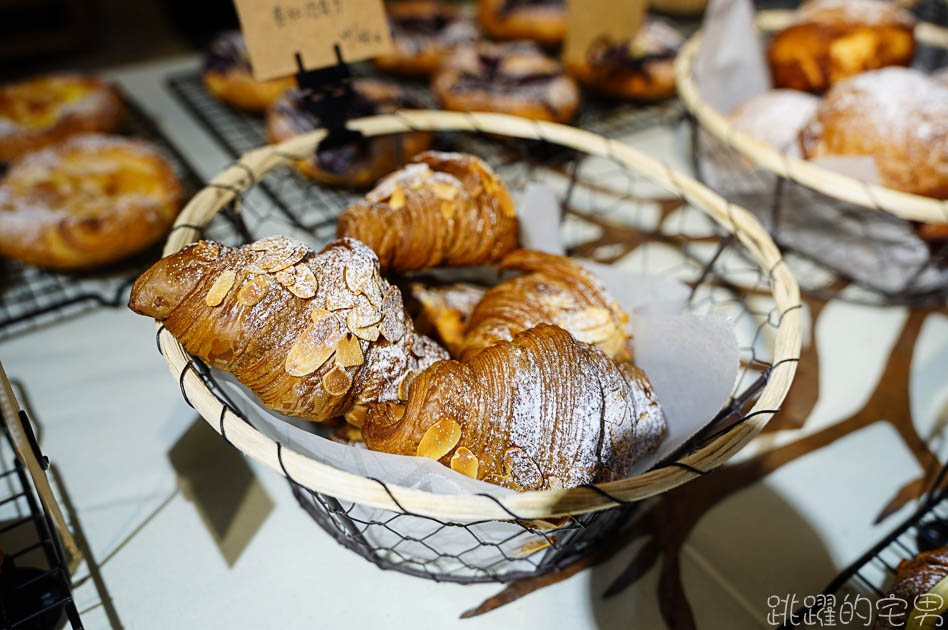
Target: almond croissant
{"x":554,"y":290}
{"x":311,"y":334}
{"x":542,"y":411}
{"x":446,"y":209}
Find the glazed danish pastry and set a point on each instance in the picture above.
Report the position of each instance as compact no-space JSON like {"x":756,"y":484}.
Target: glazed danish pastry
{"x":512,"y":78}
{"x":227,"y":74}
{"x":898,"y":116}
{"x":830,"y":40}
{"x":640,"y":70}
{"x":89,"y":201}
{"x":313,"y":335}
{"x":541,"y":411}
{"x":423,"y":32}
{"x":543,"y":21}
{"x":44,"y":110}
{"x":356,"y":164}
{"x":446,"y":209}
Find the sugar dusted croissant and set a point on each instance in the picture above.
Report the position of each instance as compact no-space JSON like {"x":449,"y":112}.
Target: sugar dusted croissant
{"x":445,"y":310}
{"x":543,"y":411}
{"x":446,"y":209}
{"x":313,"y":335}
{"x":553,"y":290}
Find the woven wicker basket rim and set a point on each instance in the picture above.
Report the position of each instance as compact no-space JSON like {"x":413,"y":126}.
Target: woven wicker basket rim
{"x":873,"y":196}
{"x":536,"y":504}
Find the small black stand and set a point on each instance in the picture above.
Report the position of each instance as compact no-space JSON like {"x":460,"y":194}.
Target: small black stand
{"x":328,"y":96}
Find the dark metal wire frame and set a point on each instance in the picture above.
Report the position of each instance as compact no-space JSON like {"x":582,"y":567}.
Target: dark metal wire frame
{"x":43,"y":536}
{"x":926,"y":527}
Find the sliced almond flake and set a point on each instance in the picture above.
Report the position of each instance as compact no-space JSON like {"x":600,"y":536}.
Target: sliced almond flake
{"x":357,"y":274}
{"x":439,"y":439}
{"x":533,"y":546}
{"x":306,"y":284}
{"x":274,"y":260}
{"x":337,"y":381}
{"x":314,"y":347}
{"x":286,"y":277}
{"x":364,"y":314}
{"x":253,"y":290}
{"x":372,"y":291}
{"x":464,"y":462}
{"x":397,"y":199}
{"x":393,"y":328}
{"x":356,"y":415}
{"x":369,"y":333}
{"x":219,"y":289}
{"x":206,"y":250}
{"x":522,"y":469}
{"x":405,"y":383}
{"x":318,"y":314}
{"x":349,"y":351}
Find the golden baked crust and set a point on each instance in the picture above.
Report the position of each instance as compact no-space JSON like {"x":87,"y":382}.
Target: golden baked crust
{"x":227,"y":74}
{"x":313,"y":335}
{"x":41,"y":111}
{"x":899,"y":116}
{"x":357,"y":164}
{"x":90,"y":200}
{"x":830,"y":40}
{"x":640,"y":70}
{"x":543,"y":21}
{"x":541,"y":411}
{"x":447,"y":209}
{"x":551,"y":290}
{"x":423,"y":32}
{"x":512,"y":78}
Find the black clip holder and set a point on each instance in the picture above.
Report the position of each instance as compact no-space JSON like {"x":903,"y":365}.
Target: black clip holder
{"x":328,"y":96}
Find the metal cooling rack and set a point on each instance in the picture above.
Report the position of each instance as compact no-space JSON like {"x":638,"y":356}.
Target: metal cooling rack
{"x":872,"y":574}
{"x":31,"y":297}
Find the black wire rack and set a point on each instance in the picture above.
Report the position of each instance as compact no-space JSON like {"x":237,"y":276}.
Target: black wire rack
{"x":869,"y":577}
{"x":35,"y":586}
{"x":870,"y":248}
{"x":623,"y":216}
{"x":31,"y":297}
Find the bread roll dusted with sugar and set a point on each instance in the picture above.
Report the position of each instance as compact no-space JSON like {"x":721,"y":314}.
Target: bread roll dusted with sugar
{"x":775,"y":118}
{"x":898,"y":116}
{"x":541,"y":411}
{"x":313,"y":335}
{"x":830,"y":40}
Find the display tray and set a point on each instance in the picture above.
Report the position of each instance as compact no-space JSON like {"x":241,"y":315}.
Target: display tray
{"x":31,"y":297}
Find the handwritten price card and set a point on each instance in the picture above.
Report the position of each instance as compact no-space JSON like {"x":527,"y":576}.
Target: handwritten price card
{"x":589,"y":20}
{"x":276,"y":30}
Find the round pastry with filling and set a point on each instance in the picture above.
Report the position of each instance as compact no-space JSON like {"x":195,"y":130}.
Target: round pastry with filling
{"x":510,"y":78}
{"x":925,"y":574}
{"x":898,"y":116}
{"x":542,"y":21}
{"x":227,"y":74}
{"x":355,"y":164}
{"x":830,"y":40}
{"x":91,"y":200}
{"x":37,"y":112}
{"x":775,"y":118}
{"x":423,"y":32}
{"x":642,"y":69}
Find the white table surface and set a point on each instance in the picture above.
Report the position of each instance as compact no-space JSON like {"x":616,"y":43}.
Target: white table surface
{"x":110,"y":412}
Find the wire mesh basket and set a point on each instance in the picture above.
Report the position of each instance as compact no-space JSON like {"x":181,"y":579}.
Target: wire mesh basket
{"x":31,"y":297}
{"x":869,"y":577}
{"x":863,"y":232}
{"x":618,"y":204}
